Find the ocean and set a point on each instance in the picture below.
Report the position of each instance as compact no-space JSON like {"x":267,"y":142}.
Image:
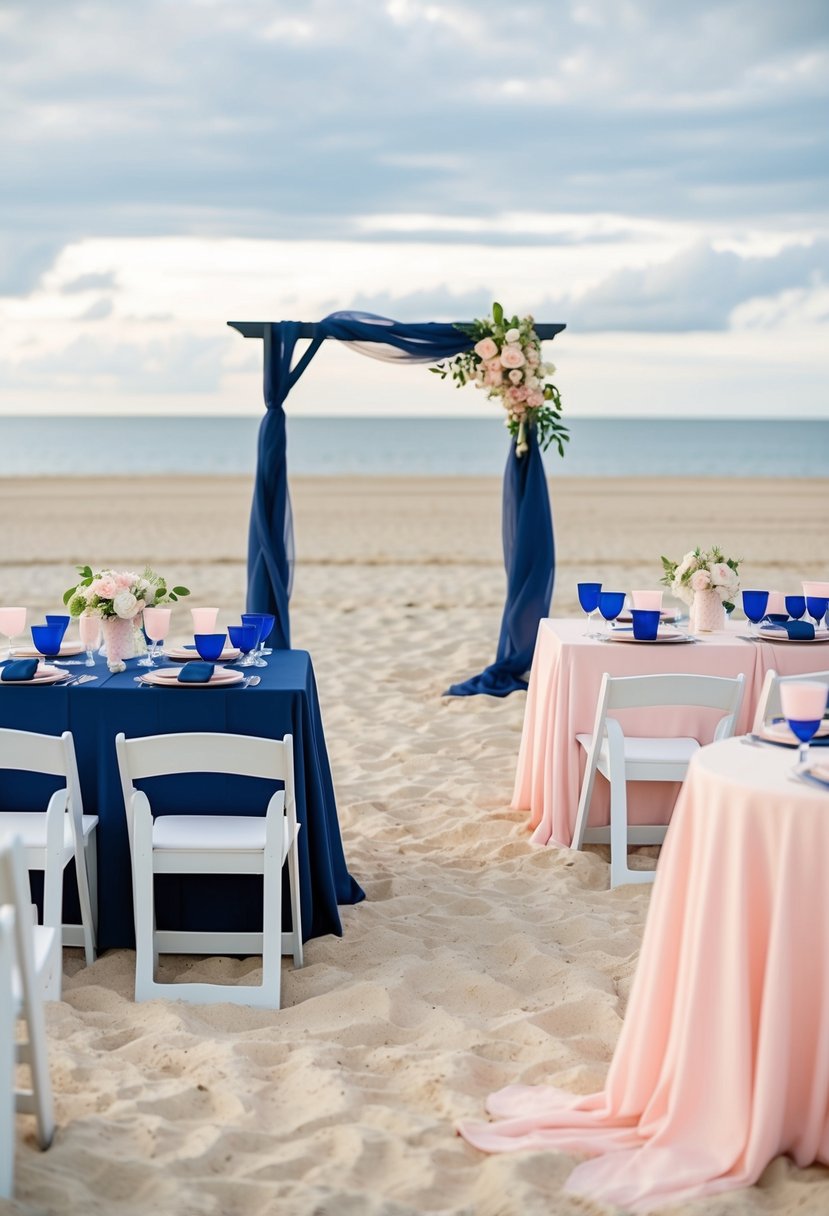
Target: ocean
{"x":631,"y":447}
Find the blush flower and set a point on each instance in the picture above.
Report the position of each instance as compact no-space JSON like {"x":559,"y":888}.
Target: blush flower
{"x":512,"y":356}
{"x":485,"y":349}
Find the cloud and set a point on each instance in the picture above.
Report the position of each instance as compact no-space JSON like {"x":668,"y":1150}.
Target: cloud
{"x":698,"y":290}
{"x":23,"y":260}
{"x":98,"y":311}
{"x":185,"y":363}
{"x":89,"y":282}
{"x":437,"y":304}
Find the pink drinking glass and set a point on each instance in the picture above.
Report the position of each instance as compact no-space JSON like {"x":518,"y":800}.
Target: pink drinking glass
{"x":156,"y":627}
{"x":89,"y":628}
{"x":12,"y":622}
{"x":204,"y":619}
{"x":648,"y":601}
{"x":803,"y":703}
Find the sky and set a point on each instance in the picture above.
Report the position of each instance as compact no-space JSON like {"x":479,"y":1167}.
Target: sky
{"x":654,"y":175}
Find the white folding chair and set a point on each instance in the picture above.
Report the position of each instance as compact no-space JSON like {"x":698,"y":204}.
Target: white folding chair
{"x":52,"y":838}
{"x":621,"y":758}
{"x":35,"y":977}
{"x":6,"y":1053}
{"x":212,"y":844}
{"x":768,"y":705}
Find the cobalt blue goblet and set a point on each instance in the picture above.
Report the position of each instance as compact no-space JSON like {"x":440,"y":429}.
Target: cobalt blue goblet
{"x":47,"y":639}
{"x":264,"y":622}
{"x":589,"y":602}
{"x":245,"y":639}
{"x":754,"y":606}
{"x":611,"y":604}
{"x":796,"y":606}
{"x":58,"y":619}
{"x":816,"y":606}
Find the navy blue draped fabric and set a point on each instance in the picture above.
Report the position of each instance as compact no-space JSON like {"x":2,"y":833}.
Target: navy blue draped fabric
{"x":527,"y":522}
{"x":529,"y":558}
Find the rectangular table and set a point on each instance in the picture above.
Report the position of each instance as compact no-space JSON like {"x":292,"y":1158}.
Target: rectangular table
{"x":561,"y":703}
{"x":285,"y":702}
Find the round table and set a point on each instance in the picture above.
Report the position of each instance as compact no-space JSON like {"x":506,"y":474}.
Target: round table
{"x":723,"y":1059}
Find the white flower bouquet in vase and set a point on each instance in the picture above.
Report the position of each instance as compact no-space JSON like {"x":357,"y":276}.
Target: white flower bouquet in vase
{"x":119,"y":597}
{"x":708,"y":582}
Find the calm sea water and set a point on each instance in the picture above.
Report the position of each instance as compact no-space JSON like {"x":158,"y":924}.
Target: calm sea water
{"x":630,"y":447}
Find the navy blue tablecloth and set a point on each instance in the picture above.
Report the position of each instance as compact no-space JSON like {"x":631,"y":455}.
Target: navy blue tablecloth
{"x":284,"y":702}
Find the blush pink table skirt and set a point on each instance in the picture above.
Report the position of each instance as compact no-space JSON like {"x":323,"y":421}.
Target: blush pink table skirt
{"x":561,"y":703}
{"x":723,"y":1059}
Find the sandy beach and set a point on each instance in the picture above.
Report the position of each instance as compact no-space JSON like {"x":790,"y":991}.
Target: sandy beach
{"x":476,"y":960}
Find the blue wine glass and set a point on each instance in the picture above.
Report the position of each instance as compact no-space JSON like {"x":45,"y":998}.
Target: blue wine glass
{"x":270,"y":621}
{"x":803,"y":703}
{"x":754,"y":606}
{"x":816,"y":606}
{"x":245,"y":638}
{"x":209,"y":645}
{"x":589,"y":602}
{"x":796,"y":606}
{"x":58,"y":619}
{"x":260,"y":620}
{"x":611,"y":604}
{"x":47,"y":639}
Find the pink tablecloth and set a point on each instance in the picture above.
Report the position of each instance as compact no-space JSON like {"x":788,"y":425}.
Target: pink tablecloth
{"x":723,"y":1059}
{"x":561,"y":703}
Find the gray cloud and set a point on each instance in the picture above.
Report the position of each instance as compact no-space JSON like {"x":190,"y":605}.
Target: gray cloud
{"x":24,"y":259}
{"x":98,"y":311}
{"x":268,"y":119}
{"x":185,"y":363}
{"x":89,"y":282}
{"x":440,"y":304}
{"x":698,"y":290}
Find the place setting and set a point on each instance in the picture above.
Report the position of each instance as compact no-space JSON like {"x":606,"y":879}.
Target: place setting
{"x":644,"y":622}
{"x":207,"y":662}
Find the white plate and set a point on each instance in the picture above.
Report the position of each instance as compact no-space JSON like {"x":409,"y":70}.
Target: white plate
{"x":43,"y":675}
{"x":167,"y":677}
{"x":780,"y":635}
{"x":30,"y":652}
{"x":668,"y":637}
{"x":181,"y":653}
{"x":780,"y":733}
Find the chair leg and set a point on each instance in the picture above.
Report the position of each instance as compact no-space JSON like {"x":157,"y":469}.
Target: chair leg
{"x":296,"y":909}
{"x":272,"y":908}
{"x":85,"y":866}
{"x":143,"y":893}
{"x":6,"y":1056}
{"x":585,"y":798}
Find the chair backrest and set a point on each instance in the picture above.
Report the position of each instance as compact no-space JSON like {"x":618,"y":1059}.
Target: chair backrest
{"x":704,"y":692}
{"x":204,"y":752}
{"x":768,"y":704}
{"x":14,"y":890}
{"x":53,"y":755}
{"x":6,"y":1052}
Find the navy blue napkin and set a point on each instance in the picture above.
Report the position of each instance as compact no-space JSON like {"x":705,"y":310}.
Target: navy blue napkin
{"x":20,"y":669}
{"x":802,"y":630}
{"x":195,"y":673}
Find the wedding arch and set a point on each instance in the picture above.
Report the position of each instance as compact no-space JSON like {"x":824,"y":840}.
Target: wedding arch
{"x":527,"y":525}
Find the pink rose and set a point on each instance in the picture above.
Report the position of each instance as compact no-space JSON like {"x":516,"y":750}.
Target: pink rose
{"x":700,"y":580}
{"x":105,"y":587}
{"x":494,"y":378}
{"x":485,"y":349}
{"x":517,"y":393}
{"x":512,"y":356}
{"x":493,"y":365}
{"x":124,"y":581}
{"x":535,"y":398}
{"x":516,"y":375}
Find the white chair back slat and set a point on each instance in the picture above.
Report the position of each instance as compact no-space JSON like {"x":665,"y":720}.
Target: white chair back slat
{"x":6,"y":1052}
{"x":161,"y":755}
{"x":32,"y":753}
{"x":703,"y":692}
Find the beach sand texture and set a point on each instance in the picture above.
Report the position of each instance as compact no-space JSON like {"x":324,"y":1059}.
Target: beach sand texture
{"x":475,"y":960}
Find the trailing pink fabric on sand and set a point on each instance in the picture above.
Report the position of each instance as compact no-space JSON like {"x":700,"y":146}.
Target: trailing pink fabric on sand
{"x":723,"y":1059}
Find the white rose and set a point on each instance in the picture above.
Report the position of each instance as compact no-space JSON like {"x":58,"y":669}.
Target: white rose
{"x":682,"y":591}
{"x":515,"y":376}
{"x":125,"y":605}
{"x":513,"y":335}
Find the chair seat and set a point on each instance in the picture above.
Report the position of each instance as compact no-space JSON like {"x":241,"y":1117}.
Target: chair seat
{"x":30,"y":826}
{"x":644,"y":751}
{"x":225,"y":833}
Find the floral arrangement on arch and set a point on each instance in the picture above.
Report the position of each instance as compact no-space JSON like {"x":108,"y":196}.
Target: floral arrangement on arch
{"x":703,"y":571}
{"x":118,"y":593}
{"x":506,"y":363}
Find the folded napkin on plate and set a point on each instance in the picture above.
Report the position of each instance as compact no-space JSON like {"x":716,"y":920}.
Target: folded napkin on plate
{"x":800,"y":629}
{"x":20,"y":669}
{"x":195,"y":673}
